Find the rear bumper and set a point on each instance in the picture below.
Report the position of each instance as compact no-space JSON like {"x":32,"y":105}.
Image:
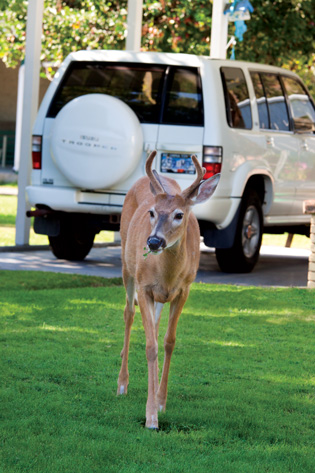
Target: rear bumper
{"x":219,"y":211}
{"x":75,"y":201}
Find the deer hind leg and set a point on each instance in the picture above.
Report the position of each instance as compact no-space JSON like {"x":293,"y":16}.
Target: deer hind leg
{"x":169,"y":343}
{"x":129,"y":314}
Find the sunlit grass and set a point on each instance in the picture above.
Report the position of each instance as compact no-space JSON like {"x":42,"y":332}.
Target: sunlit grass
{"x":8,"y":207}
{"x":299,"y":241}
{"x":241,"y":388}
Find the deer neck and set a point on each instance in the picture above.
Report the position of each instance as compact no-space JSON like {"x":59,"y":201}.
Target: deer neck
{"x":173,"y":259}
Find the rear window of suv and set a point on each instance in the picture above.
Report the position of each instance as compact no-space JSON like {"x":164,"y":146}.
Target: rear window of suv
{"x":156,"y":93}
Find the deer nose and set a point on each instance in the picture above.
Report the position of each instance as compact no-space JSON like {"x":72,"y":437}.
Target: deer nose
{"x":155,"y":243}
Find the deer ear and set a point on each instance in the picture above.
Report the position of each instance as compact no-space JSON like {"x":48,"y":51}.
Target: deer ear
{"x":206,"y":189}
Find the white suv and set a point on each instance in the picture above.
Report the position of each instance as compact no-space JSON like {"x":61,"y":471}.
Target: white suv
{"x":106,"y":110}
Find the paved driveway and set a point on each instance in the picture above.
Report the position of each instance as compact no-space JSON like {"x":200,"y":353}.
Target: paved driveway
{"x":276,"y":267}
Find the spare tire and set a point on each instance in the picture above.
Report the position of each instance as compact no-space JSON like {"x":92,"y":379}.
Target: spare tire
{"x":96,"y":141}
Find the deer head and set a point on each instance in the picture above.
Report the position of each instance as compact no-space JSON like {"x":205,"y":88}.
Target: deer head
{"x":169,"y":214}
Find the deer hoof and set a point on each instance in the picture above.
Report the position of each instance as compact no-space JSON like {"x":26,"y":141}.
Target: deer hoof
{"x":152,"y":424}
{"x":122,"y":389}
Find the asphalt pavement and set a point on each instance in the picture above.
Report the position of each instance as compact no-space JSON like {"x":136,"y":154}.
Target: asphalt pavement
{"x":277,"y":267}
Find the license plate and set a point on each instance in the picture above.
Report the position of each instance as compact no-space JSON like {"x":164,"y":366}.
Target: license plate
{"x":177,"y":163}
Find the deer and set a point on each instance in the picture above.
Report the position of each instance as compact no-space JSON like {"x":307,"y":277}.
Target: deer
{"x":157,"y":218}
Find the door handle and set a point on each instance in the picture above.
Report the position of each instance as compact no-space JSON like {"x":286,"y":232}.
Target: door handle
{"x":270,"y":141}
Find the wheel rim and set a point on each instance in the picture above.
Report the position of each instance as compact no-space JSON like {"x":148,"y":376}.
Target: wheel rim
{"x":251,"y":231}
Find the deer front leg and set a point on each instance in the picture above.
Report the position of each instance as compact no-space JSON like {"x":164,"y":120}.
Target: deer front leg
{"x":129,"y":314}
{"x":146,"y":305}
{"x":169,"y":343}
{"x":158,"y":307}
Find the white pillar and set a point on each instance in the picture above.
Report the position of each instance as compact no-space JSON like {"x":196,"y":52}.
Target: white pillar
{"x":30,"y":105}
{"x":18,"y":118}
{"x":219,"y":30}
{"x":134,"y":25}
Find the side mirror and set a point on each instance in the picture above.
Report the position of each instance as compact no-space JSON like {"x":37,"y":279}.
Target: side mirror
{"x":303,"y":125}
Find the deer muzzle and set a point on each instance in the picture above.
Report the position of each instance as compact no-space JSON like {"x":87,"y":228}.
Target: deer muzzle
{"x":156,"y":243}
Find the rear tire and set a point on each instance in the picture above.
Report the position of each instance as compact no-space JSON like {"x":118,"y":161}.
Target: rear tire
{"x":243,"y":255}
{"x":73,"y":243}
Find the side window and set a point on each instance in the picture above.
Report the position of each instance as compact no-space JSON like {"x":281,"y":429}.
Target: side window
{"x":278,"y":113}
{"x":261,"y":101}
{"x":183,"y":101}
{"x":300,"y":104}
{"x":237,"y":101}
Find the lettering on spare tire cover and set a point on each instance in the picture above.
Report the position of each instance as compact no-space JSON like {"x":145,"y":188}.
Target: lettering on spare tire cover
{"x":88,"y":144}
{"x":89,"y":138}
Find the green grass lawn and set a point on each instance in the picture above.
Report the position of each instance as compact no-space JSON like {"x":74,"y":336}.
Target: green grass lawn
{"x":241,"y":390}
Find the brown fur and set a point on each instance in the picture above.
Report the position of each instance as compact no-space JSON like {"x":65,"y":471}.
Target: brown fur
{"x":159,"y":278}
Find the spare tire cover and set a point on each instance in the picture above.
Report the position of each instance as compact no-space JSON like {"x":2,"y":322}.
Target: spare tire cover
{"x":96,"y":141}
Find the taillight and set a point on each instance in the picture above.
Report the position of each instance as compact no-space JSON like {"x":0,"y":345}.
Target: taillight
{"x":212,"y":160}
{"x":37,"y":151}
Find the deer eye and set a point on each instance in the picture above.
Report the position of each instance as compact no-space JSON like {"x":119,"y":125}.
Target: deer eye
{"x":151,"y":213}
{"x":179,"y":216}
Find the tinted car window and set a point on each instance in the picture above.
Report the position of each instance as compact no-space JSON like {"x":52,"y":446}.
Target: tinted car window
{"x":278,"y":113}
{"x":300,"y":104}
{"x":183,"y":104}
{"x":137,"y":85}
{"x":236,"y":98}
{"x":261,"y":101}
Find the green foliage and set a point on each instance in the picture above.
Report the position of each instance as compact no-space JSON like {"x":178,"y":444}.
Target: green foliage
{"x":177,"y":26}
{"x":275,"y":31}
{"x":279,"y":32}
{"x":241,"y":388}
{"x":67,"y":27}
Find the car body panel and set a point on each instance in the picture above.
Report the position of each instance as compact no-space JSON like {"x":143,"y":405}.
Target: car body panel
{"x":284,"y":161}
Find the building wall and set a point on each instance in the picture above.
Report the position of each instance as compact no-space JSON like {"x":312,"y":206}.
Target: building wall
{"x":8,"y":95}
